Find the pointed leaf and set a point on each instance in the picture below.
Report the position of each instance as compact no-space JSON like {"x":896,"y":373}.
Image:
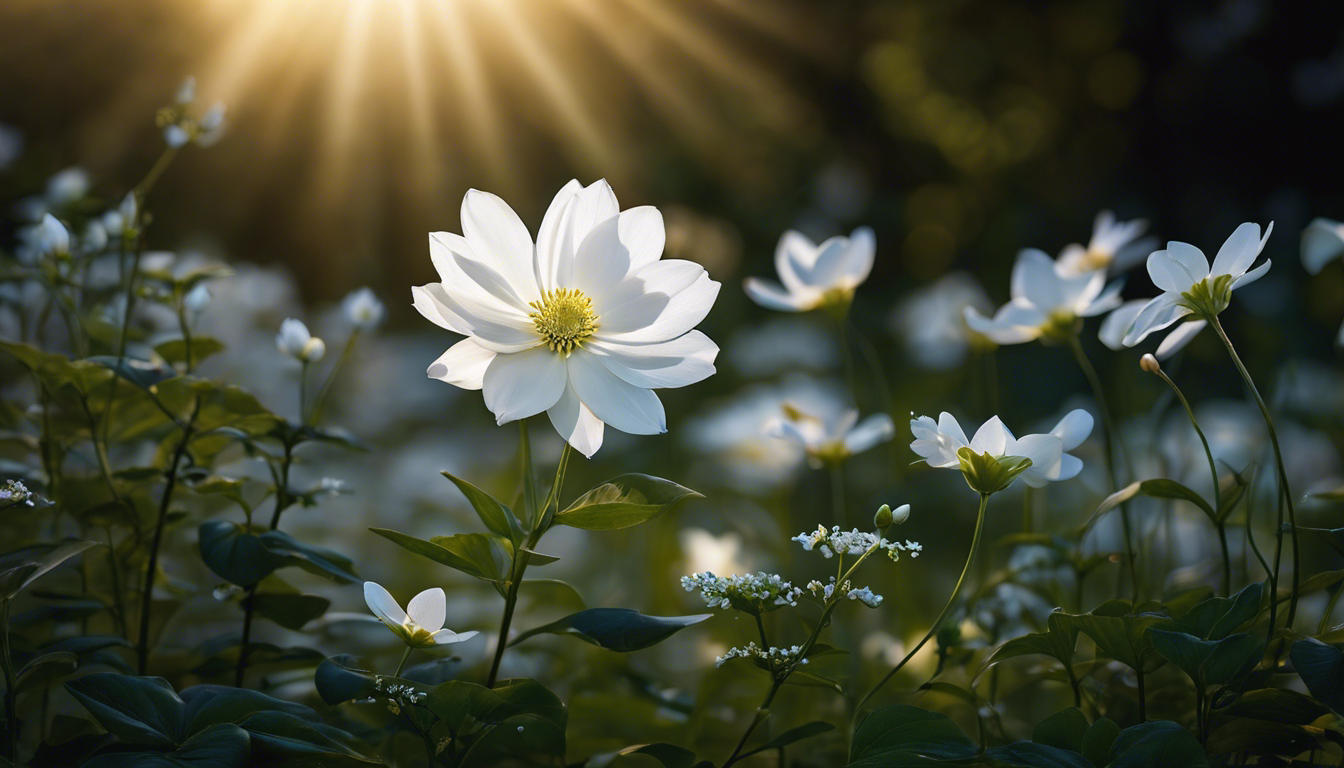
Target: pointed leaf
{"x":497,"y":517}
{"x":137,"y":710}
{"x":616,"y":629}
{"x":234,"y":554}
{"x":623,"y":502}
{"x":903,"y":735}
{"x":440,"y":554}
{"x":35,"y":564}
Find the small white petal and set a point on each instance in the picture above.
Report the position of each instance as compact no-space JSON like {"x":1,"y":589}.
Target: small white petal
{"x":523,"y":384}
{"x":1252,"y":276}
{"x":1046,"y":453}
{"x":383,"y":605}
{"x":682,"y":312}
{"x":1322,"y":241}
{"x":1240,"y":250}
{"x":499,"y":238}
{"x":463,"y":365}
{"x":448,"y":636}
{"x":992,"y":437}
{"x":874,"y":430}
{"x":1035,"y":279}
{"x":772,"y":295}
{"x":576,"y":423}
{"x":554,"y":257}
{"x":622,"y":245}
{"x":1074,"y":428}
{"x":1154,"y":316}
{"x":1180,"y":336}
{"x":428,"y":609}
{"x":1117,"y":324}
{"x":795,"y":250}
{"x":622,"y":405}
{"x":660,"y":365}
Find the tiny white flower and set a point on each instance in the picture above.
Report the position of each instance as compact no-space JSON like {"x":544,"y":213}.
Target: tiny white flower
{"x":421,"y":624}
{"x":175,"y":136}
{"x":813,"y":276}
{"x":118,"y":220}
{"x":831,"y":441}
{"x":583,"y":325}
{"x":197,"y":299}
{"x":1191,"y":287}
{"x":211,"y":127}
{"x":295,"y":341}
{"x":53,"y":239}
{"x":1115,"y":247}
{"x":1045,"y":302}
{"x":938,"y":442}
{"x":186,"y":92}
{"x":67,"y":186}
{"x":94,"y":239}
{"x":362,"y":309}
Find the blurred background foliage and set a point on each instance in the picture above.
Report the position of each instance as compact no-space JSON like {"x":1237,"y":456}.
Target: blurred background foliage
{"x":959,"y":130}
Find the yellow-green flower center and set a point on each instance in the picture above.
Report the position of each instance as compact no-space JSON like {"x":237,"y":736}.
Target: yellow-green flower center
{"x":564,"y":319}
{"x":1061,"y":326}
{"x":1094,"y":260}
{"x":1209,"y":296}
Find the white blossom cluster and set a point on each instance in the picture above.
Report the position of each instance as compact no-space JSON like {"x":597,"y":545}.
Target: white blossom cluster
{"x":853,"y":542}
{"x":14,"y":493}
{"x":752,"y":592}
{"x":774,"y":656}
{"x":864,"y":595}
{"x":398,"y":691}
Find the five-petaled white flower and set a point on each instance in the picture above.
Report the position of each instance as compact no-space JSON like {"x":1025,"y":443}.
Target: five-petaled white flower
{"x":362,"y":309}
{"x":831,"y":441}
{"x":1046,"y":303}
{"x":1322,"y":241}
{"x":939,"y":443}
{"x":421,"y":624}
{"x":295,"y":341}
{"x":582,"y":325}
{"x":812,"y":275}
{"x":1190,"y":287}
{"x":1115,"y":247}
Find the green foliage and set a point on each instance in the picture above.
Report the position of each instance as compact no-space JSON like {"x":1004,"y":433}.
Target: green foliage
{"x":624,"y":501}
{"x":616,"y":629}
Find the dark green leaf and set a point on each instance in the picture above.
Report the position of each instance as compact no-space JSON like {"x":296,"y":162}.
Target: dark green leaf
{"x":624,"y":501}
{"x":1321,"y":667}
{"x":438,"y":554}
{"x":290,"y":611}
{"x":1097,"y":742}
{"x":36,"y":563}
{"x":1161,"y":743}
{"x":316,"y":560}
{"x":1064,"y":730}
{"x":137,"y":710}
{"x":903,"y":735}
{"x":1025,"y":754}
{"x":792,"y":735}
{"x":667,"y":755}
{"x":236,"y":555}
{"x":1275,"y":704}
{"x":141,"y":373}
{"x":488,"y":554}
{"x":219,"y":746}
{"x":1209,"y":662}
{"x":496,"y":517}
{"x":290,"y":740}
{"x":616,"y":629}
{"x":337,"y":680}
{"x":175,"y":350}
{"x":46,"y":667}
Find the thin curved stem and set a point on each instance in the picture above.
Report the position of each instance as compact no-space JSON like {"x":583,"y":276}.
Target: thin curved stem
{"x":1284,"y":496}
{"x":315,"y":414}
{"x":1110,"y":435}
{"x":402,"y":664}
{"x":947,"y":609}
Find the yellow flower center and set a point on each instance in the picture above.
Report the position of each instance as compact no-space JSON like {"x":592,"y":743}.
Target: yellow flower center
{"x":1093,"y":260}
{"x":564,"y":319}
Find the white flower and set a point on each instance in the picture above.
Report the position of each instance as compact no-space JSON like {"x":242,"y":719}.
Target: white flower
{"x":855,"y":542}
{"x":1322,"y":241}
{"x":932,"y":320}
{"x":1117,"y":324}
{"x":939,"y":442}
{"x":1114,"y":247}
{"x":830,"y":441}
{"x":67,"y":186}
{"x":197,"y":299}
{"x":583,"y":325}
{"x":52,"y":238}
{"x":120,"y":219}
{"x":421,"y":624}
{"x":1190,"y":287}
{"x":812,"y":275}
{"x":362,"y":309}
{"x":753,"y":593}
{"x":186,"y":92}
{"x":295,"y":341}
{"x":1045,"y":302}
{"x":210,"y":129}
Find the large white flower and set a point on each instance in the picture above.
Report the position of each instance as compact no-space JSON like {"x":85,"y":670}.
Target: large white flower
{"x":1322,"y":241}
{"x":421,"y":624}
{"x":582,"y":325}
{"x":812,"y":275}
{"x":1115,"y":247}
{"x":938,"y":442}
{"x":1046,"y":303}
{"x":1191,"y":287}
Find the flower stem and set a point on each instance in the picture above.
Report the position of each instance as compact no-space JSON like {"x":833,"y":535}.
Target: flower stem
{"x":1213,"y":470}
{"x":521,"y":556}
{"x":321,"y":399}
{"x":147,"y":598}
{"x":402,"y":664}
{"x":1108,"y":424}
{"x":282,"y":502}
{"x":1284,"y":496}
{"x":947,"y":609}
{"x":11,"y":695}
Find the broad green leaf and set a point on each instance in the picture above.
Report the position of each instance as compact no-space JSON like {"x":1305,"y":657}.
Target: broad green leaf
{"x":316,"y":560}
{"x":1279,"y":705}
{"x":1210,"y":662}
{"x":290,"y":611}
{"x":903,"y":735}
{"x":236,"y":555}
{"x":1321,"y":667}
{"x":35,"y":564}
{"x":337,"y":680}
{"x":1058,"y":641}
{"x":219,"y":746}
{"x":1242,"y":736}
{"x":285,"y":739}
{"x":442,"y":555}
{"x":175,"y":350}
{"x":667,"y":755}
{"x":142,"y":373}
{"x":1162,"y":488}
{"x":1124,"y":637}
{"x":1161,"y":743}
{"x":1064,"y":730}
{"x":623,"y":502}
{"x":207,"y":705}
{"x":496,"y":517}
{"x":1098,"y":740}
{"x":45,"y":668}
{"x":1025,"y":754}
{"x":137,"y":710}
{"x":616,"y":629}
{"x":1217,"y":617}
{"x":489,"y":554}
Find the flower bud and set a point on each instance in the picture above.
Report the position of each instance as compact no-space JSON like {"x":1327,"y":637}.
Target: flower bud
{"x":900,"y":514}
{"x":362,"y":309}
{"x":197,"y":298}
{"x":52,"y":236}
{"x":883,"y":517}
{"x":1150,"y":364}
{"x":295,"y":341}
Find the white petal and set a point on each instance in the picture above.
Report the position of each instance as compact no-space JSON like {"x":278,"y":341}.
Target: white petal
{"x":622,"y":245}
{"x":1035,"y":279}
{"x":593,"y":205}
{"x":1154,"y":316}
{"x":383,"y":605}
{"x":937,"y":442}
{"x":633,"y":322}
{"x":859,"y":260}
{"x":549,"y":242}
{"x":1117,"y":324}
{"x":826,"y":271}
{"x":463,"y":365}
{"x":1108,"y":300}
{"x":1240,"y":250}
{"x":1074,"y":428}
{"x":428,"y":609}
{"x":494,"y":330}
{"x":1177,"y":268}
{"x":1178,"y":338}
{"x":524,"y":383}
{"x":772,"y":295}
{"x":499,"y":238}
{"x":1016,"y":322}
{"x":448,"y":636}
{"x":1252,"y":276}
{"x":484,"y":286}
{"x":1322,"y":241}
{"x":1045,"y":452}
{"x":992,"y":437}
{"x":874,"y":430}
{"x":1069,"y":467}
{"x":576,"y":423}
{"x":947,"y":425}
{"x":660,"y":365}
{"x":622,"y":405}
{"x":794,"y":250}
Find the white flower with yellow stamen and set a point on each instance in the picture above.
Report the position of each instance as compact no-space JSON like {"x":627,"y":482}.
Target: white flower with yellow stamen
{"x":1115,"y":247}
{"x":421,"y":624}
{"x":815,"y":275}
{"x":583,"y":324}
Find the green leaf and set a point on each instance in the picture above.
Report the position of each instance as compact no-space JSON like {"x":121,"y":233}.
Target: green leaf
{"x":1321,"y":667}
{"x":1210,"y":662}
{"x":1025,"y":754}
{"x":142,"y":373}
{"x":1064,"y":730}
{"x":137,"y":710}
{"x":337,"y":680}
{"x":1162,"y":488}
{"x":290,"y":611}
{"x":1242,"y":736}
{"x":1123,"y":637}
{"x":219,"y":746}
{"x":623,"y":502}
{"x":1098,"y":740}
{"x":175,"y":350}
{"x":34,"y":564}
{"x":489,"y":555}
{"x":315,"y":560}
{"x":1217,"y":617}
{"x":236,"y":555}
{"x":1278,"y":705}
{"x":45,"y":668}
{"x":1157,"y":743}
{"x":496,"y":517}
{"x":286,"y":739}
{"x":903,"y":735}
{"x":1058,"y":641}
{"x":442,"y":555}
{"x":516,"y":717}
{"x":667,"y":755}
{"x":793,"y":735}
{"x":616,"y":629}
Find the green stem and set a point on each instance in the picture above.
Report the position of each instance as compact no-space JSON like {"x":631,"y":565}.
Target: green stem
{"x":316,"y":414}
{"x":11,"y":695}
{"x":947,"y":609}
{"x":1284,"y":496}
{"x":1329,"y":610}
{"x":147,"y":598}
{"x":521,"y":557}
{"x":1110,"y":435}
{"x":282,"y":502}
{"x":146,"y":184}
{"x":303,"y":393}
{"x":760,"y":627}
{"x":402,"y":664}
{"x":533,"y":515}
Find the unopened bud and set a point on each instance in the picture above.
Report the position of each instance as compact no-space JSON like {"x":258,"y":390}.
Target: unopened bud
{"x":1150,"y":364}
{"x":900,"y":514}
{"x":883,"y":518}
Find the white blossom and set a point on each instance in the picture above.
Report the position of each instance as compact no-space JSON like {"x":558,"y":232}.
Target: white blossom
{"x":815,"y":275}
{"x":1046,"y":302}
{"x":362,"y":309}
{"x":295,"y":341}
{"x":1115,"y":247}
{"x":421,"y":624}
{"x":753,"y":592}
{"x":938,"y":442}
